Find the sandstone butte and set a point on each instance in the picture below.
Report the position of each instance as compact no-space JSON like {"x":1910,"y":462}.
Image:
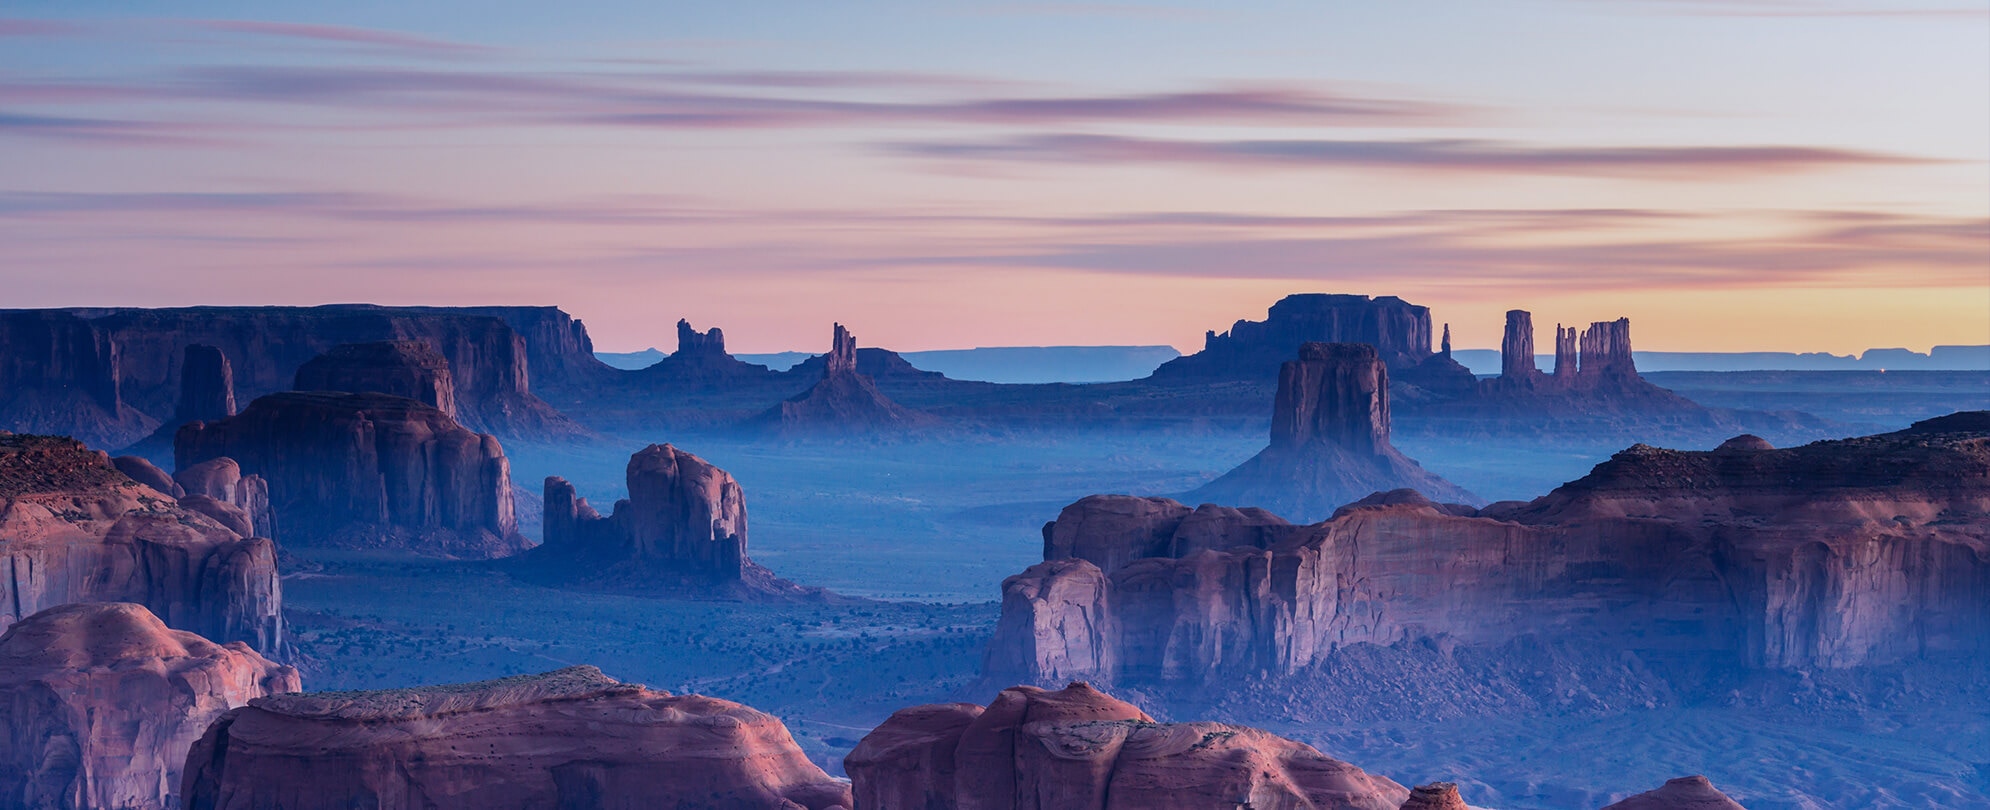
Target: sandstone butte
{"x":1684,"y":793}
{"x":368,"y":470}
{"x":1835,"y":554}
{"x":75,"y":529}
{"x":682,"y":528}
{"x":572,"y":738}
{"x":1080,"y":749}
{"x":100,"y":702}
{"x":404,"y":368}
{"x":1329,"y":440}
{"x":845,"y":400}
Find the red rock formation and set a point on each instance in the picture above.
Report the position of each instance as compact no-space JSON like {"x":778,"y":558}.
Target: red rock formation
{"x":101,"y":702}
{"x":682,"y":526}
{"x":149,"y":474}
{"x":1080,"y":749}
{"x":1606,"y":349}
{"x":711,"y":342}
{"x":1253,"y":350}
{"x":220,"y":482}
{"x":1435,"y":796}
{"x":1329,"y":440}
{"x":73,"y":529}
{"x":1684,"y":793}
{"x":1835,"y":554}
{"x":1516,"y":349}
{"x":404,"y":368}
{"x":368,"y":471}
{"x":844,"y":401}
{"x":1567,"y":363}
{"x":571,"y":738}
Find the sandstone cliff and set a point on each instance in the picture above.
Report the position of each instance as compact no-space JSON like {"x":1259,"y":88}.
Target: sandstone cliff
{"x":59,"y":375}
{"x":1080,"y":749}
{"x":368,"y":471}
{"x":845,"y":400}
{"x":101,"y":702}
{"x":1836,"y":554}
{"x":404,"y":368}
{"x":683,"y":527}
{"x":571,"y":738}
{"x":207,"y":393}
{"x":1253,"y":350}
{"x":1329,"y":440}
{"x":74,"y":529}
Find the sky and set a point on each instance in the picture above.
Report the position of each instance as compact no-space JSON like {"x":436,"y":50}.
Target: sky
{"x":1733,"y":175}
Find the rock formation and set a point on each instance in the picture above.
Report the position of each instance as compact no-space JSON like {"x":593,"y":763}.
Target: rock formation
{"x":701,"y":363}
{"x":368,"y":471}
{"x":74,"y":529}
{"x":217,"y":487}
{"x":145,"y":472}
{"x":1835,"y":554}
{"x":1684,"y":793}
{"x":207,"y":393}
{"x":1253,"y":350}
{"x":59,"y":375}
{"x":572,"y":738}
{"x":404,"y":368}
{"x":845,"y":400}
{"x":102,"y":702}
{"x":683,"y":527}
{"x":1516,"y":348}
{"x":1080,"y":749}
{"x":1329,"y":440}
{"x":1435,"y":796}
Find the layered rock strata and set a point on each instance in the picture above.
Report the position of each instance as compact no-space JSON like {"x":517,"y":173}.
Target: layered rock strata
{"x":1329,"y":440}
{"x":1831,"y":555}
{"x":74,"y":529}
{"x":571,"y":738}
{"x":102,"y":700}
{"x":683,"y":526}
{"x":368,"y":471}
{"x":404,"y":368}
{"x":1080,"y":749}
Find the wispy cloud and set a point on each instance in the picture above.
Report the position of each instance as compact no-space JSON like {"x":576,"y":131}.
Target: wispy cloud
{"x":1807,"y":8}
{"x":95,"y":130}
{"x":17,"y":27}
{"x":337,"y":34}
{"x":1446,"y":155}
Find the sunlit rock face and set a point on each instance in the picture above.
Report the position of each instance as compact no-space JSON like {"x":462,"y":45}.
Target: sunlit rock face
{"x":75,"y":529}
{"x":368,"y":470}
{"x":570,"y":738}
{"x":1080,"y":749}
{"x":1831,"y":555}
{"x":100,"y":702}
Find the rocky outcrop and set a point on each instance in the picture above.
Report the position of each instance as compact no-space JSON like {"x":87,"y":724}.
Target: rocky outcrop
{"x":1253,"y":350}
{"x":1516,"y":349}
{"x":683,"y":527}
{"x":101,"y":702}
{"x":1435,"y":796}
{"x":1329,"y":440}
{"x":1835,"y":554}
{"x":74,"y":529}
{"x":845,"y":400}
{"x":1080,"y":749}
{"x":1684,"y":793}
{"x":368,"y":471}
{"x":134,"y":362}
{"x":217,"y":487}
{"x":566,"y":739}
{"x":701,"y":362}
{"x":145,"y":472}
{"x":404,"y":368}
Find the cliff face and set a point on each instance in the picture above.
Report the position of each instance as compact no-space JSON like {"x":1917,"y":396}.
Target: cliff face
{"x":404,"y":368}
{"x":570,"y":738}
{"x":1836,"y":554}
{"x":58,"y":375}
{"x":844,"y":401}
{"x":368,"y":471}
{"x":101,"y":701}
{"x":74,"y":529}
{"x":265,"y":346}
{"x":682,"y":527}
{"x":1080,"y":749}
{"x":1251,"y":350}
{"x":1329,"y":440}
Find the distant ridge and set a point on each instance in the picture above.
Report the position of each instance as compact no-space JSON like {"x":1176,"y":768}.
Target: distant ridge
{"x":996,"y":364}
{"x":1940,"y":358}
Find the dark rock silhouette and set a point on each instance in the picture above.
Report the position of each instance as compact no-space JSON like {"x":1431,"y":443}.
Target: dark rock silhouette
{"x":74,"y":529}
{"x":1080,"y":749}
{"x":207,"y":393}
{"x":701,"y":361}
{"x":1254,"y":350}
{"x":60,"y":375}
{"x":368,"y":471}
{"x":845,"y":400}
{"x":101,"y":702}
{"x":1329,"y":440}
{"x":683,"y":527}
{"x":404,"y":368}
{"x":1684,"y":793}
{"x":1516,"y":349}
{"x":572,"y":738}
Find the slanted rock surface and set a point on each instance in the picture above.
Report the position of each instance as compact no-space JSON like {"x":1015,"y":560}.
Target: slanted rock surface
{"x":100,"y":702}
{"x":1435,"y":796}
{"x":1684,"y":793}
{"x":74,"y":529}
{"x":1329,"y":441}
{"x":1080,"y":749}
{"x":571,"y":738}
{"x":368,"y":470}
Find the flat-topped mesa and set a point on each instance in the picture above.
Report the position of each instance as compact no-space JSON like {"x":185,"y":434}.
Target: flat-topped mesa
{"x":101,"y":702}
{"x":842,"y":357}
{"x":683,"y":526}
{"x":404,"y":368}
{"x":711,"y":342}
{"x":368,"y":470}
{"x":1516,"y":349}
{"x":571,"y":738}
{"x":1078,"y":748}
{"x":1606,"y":350}
{"x":73,"y":528}
{"x":1329,"y":440}
{"x":207,"y":386}
{"x":1252,"y":350}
